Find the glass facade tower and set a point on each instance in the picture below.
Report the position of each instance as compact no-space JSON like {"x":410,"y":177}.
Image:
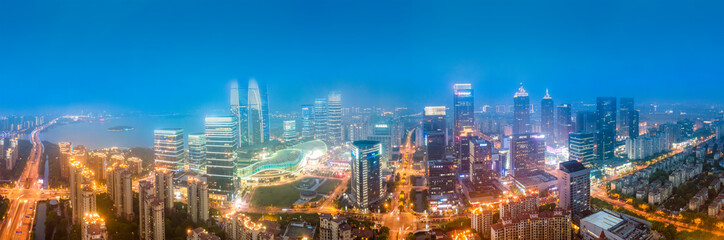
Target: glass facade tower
{"x":221,"y":145}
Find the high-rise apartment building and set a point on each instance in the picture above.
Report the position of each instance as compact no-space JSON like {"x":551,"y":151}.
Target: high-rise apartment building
{"x":258,"y":117}
{"x":581,"y":146}
{"x":553,"y":225}
{"x":481,"y":218}
{"x":152,"y":222}
{"x":605,"y":127}
{"x":163,"y":182}
{"x":367,"y":184}
{"x":564,"y":125}
{"x":198,"y":200}
{"x":574,"y":187}
{"x":334,"y":228}
{"x":521,"y":112}
{"x":221,"y":153}
{"x":321,"y":127}
{"x":510,"y":207}
{"x":547,"y":120}
{"x":93,"y":227}
{"x":119,"y":188}
{"x":197,"y":152}
{"x":82,"y":194}
{"x":334,"y":121}
{"x":66,"y":151}
{"x":169,"y":150}
{"x":307,"y":118}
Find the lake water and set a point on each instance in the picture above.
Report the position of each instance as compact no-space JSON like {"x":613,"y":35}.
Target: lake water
{"x":95,"y":134}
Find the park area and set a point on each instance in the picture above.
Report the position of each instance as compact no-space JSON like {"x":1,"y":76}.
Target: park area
{"x":284,"y":196}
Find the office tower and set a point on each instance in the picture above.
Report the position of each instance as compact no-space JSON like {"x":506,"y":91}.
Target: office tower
{"x":433,"y":129}
{"x":481,"y":161}
{"x":66,"y":151}
{"x":239,"y":110}
{"x":605,"y":127}
{"x":586,"y":122}
{"x":198,"y":200}
{"x":334,"y":228}
{"x":629,"y":118}
{"x":367,"y":184}
{"x":510,"y":207}
{"x":290,"y":131}
{"x":93,"y":227}
{"x":441,"y":179}
{"x":334,"y":114}
{"x":258,"y":113}
{"x":580,"y":147}
{"x":521,"y":112}
{"x":169,"y":150}
{"x":553,"y":225}
{"x":82,"y":195}
{"x":481,"y":218}
{"x":197,"y":152}
{"x":163,"y":181}
{"x":527,"y":152}
{"x":464,"y":107}
{"x":320,"y":119}
{"x":564,"y":124}
{"x":462,"y":149}
{"x":382,"y":132}
{"x":120,"y":190}
{"x":221,"y":153}
{"x":547,"y":121}
{"x":607,"y":224}
{"x":575,"y":187}
{"x":307,"y":122}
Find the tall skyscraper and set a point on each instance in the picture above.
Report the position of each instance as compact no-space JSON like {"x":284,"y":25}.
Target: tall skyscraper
{"x":521,"y":112}
{"x":320,"y":119}
{"x":367,"y":184}
{"x":82,"y":195}
{"x":575,"y":187}
{"x":547,"y":122}
{"x":462,"y":149}
{"x":307,"y":122}
{"x":198,"y":200}
{"x":626,"y":114}
{"x":481,"y":161}
{"x":163,"y":180}
{"x":434,"y":132}
{"x":197,"y":152}
{"x":120,"y":190}
{"x":169,"y":151}
{"x":334,"y":113}
{"x":441,"y":181}
{"x":464,"y":107}
{"x":564,"y":124}
{"x":382,"y":132}
{"x":527,"y":152}
{"x":221,"y":147}
{"x":633,"y":130}
{"x":258,"y":113}
{"x":580,"y":147}
{"x":586,"y":121}
{"x":290,"y":131}
{"x":605,"y":127}
{"x":241,"y":112}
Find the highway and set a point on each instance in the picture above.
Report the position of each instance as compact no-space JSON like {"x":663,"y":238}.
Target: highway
{"x":24,"y":197}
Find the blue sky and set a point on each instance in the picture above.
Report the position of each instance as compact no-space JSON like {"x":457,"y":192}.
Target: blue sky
{"x":179,"y":56}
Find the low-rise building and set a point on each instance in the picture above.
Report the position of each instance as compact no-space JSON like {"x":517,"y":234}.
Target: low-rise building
{"x":615,"y":226}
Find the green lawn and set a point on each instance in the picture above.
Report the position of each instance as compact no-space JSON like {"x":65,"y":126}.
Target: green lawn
{"x":328,"y":186}
{"x":282,"y":196}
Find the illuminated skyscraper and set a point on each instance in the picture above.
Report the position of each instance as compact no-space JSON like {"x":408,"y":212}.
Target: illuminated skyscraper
{"x":564,"y":124}
{"x":221,"y":147}
{"x":169,"y":149}
{"x":367,"y":184}
{"x":580,"y":147}
{"x":605,"y":127}
{"x":464,"y":107}
{"x":307,"y":122}
{"x":629,"y":118}
{"x":197,"y":152}
{"x":258,"y":113}
{"x":575,"y":186}
{"x":527,"y":152}
{"x":240,"y":111}
{"x":547,"y":116}
{"x":290,"y":131}
{"x":521,"y":112}
{"x":433,"y":130}
{"x":198,"y":200}
{"x":334,"y":112}
{"x":320,"y":119}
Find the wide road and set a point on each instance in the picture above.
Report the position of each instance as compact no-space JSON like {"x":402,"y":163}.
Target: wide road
{"x":23,"y":199}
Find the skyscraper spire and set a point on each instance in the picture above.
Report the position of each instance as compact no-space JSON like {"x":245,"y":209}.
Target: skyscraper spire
{"x":521,"y":92}
{"x":547,"y":96}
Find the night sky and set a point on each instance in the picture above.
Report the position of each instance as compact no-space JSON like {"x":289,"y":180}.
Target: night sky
{"x":179,"y":56}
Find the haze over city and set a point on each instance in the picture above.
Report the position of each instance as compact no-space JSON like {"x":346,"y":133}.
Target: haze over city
{"x":338,"y":120}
